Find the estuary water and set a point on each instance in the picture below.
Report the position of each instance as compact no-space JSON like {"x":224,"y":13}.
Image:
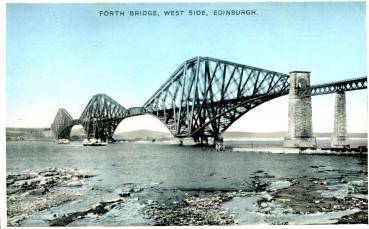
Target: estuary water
{"x":170,"y":165}
{"x":167,"y":166}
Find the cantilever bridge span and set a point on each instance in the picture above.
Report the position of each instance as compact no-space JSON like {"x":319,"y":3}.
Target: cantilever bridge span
{"x":201,"y":99}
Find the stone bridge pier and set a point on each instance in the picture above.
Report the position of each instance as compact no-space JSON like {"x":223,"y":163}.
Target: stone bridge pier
{"x":339,"y":137}
{"x":300,"y":127}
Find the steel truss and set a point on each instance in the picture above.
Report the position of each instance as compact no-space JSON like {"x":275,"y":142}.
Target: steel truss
{"x":134,"y":111}
{"x":345,"y":85}
{"x":62,"y":125}
{"x":102,"y":116}
{"x":201,"y":99}
{"x":204,"y":96}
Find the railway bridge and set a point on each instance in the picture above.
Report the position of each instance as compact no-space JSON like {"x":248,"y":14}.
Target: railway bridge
{"x":205,"y":96}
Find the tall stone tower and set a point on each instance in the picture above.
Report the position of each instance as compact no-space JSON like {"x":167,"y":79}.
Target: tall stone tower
{"x":339,"y":137}
{"x":300,"y":127}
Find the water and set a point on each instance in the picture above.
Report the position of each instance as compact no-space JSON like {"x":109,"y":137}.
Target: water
{"x":170,"y":165}
{"x":166,"y":166}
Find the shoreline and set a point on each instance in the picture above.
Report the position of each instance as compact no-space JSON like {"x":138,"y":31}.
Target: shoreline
{"x":268,"y":200}
{"x":282,"y":150}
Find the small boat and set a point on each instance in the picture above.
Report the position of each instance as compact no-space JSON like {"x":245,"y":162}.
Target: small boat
{"x":63,"y":141}
{"x":93,"y":142}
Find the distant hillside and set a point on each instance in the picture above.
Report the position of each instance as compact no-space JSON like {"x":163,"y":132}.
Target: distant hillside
{"x":351,"y":135}
{"x":236,"y":134}
{"x":142,"y":135}
{"x":78,"y":134}
{"x":28,"y":134}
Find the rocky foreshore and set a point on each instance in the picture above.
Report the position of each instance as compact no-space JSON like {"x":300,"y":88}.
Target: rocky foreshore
{"x":304,"y":196}
{"x":38,"y":190}
{"x":97,"y":209}
{"x":276,"y":202}
{"x":274,"y":199}
{"x":202,"y":209}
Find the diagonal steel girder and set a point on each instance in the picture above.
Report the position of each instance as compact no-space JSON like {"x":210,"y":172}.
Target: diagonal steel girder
{"x":62,"y":125}
{"x":343,"y":85}
{"x":204,"y":96}
{"x":101,"y":117}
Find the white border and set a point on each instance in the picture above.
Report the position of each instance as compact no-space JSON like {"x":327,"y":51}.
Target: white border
{"x":3,"y":215}
{"x":2,"y":116}
{"x":170,"y":1}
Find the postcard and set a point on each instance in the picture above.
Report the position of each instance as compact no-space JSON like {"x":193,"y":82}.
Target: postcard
{"x":185,"y":114}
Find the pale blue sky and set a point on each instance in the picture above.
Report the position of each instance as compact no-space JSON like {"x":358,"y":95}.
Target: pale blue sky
{"x":61,"y":55}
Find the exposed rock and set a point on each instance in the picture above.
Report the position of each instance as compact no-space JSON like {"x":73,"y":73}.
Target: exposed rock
{"x":356,"y":218}
{"x":264,"y":205}
{"x":36,"y":191}
{"x":204,"y":209}
{"x":303,"y":197}
{"x":356,"y":183}
{"x":39,"y":191}
{"x":98,"y":209}
{"x":124,"y":194}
